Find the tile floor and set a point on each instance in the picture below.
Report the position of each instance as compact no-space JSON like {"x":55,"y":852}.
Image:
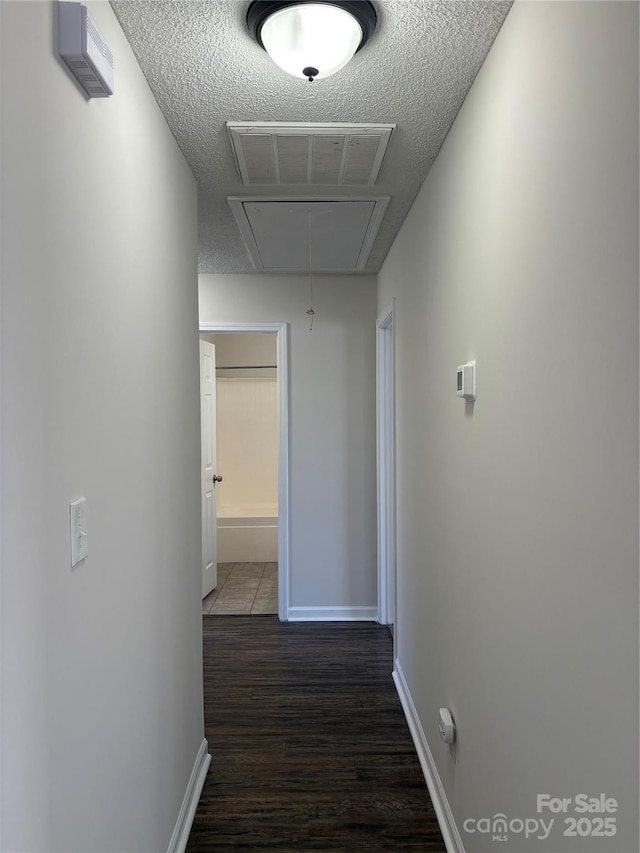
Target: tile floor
{"x":244,"y":589}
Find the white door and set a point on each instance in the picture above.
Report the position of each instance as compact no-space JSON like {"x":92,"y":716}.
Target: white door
{"x":208,"y":466}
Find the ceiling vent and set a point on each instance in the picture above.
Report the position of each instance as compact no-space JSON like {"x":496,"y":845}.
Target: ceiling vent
{"x":273,"y":153}
{"x":298,"y":235}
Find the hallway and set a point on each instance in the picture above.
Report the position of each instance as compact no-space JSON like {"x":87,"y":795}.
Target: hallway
{"x":510,"y":239}
{"x":310,"y":748}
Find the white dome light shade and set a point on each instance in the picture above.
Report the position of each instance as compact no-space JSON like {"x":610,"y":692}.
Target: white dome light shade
{"x":311,"y":37}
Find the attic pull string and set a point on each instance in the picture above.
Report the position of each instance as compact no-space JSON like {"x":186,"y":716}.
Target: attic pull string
{"x":310,"y":310}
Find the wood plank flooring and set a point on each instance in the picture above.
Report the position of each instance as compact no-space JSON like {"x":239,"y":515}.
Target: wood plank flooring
{"x":310,"y":748}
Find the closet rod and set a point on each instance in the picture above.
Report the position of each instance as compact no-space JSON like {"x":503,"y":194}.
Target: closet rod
{"x":250,"y":367}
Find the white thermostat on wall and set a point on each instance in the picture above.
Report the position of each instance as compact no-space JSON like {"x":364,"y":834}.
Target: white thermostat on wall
{"x":466,"y":380}
{"x":84,"y":51}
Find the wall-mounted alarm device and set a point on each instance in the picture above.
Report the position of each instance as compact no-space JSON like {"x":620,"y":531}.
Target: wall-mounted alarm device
{"x":447,"y":726}
{"x":466,"y":380}
{"x":84,"y":51}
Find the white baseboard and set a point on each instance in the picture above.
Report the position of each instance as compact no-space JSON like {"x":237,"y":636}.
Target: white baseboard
{"x":333,"y":614}
{"x":178,"y":843}
{"x":450,"y":834}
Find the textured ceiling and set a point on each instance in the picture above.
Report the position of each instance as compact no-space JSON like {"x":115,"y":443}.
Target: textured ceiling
{"x":204,"y":70}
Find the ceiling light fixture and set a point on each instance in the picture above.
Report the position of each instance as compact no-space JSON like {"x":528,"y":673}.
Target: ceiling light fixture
{"x":311,"y":39}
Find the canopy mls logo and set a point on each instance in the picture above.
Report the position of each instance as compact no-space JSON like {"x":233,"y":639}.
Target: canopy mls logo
{"x":590,"y":817}
{"x":499,"y":827}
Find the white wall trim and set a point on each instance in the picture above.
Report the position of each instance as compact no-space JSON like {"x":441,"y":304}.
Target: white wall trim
{"x":450,"y":834}
{"x":284,"y":474}
{"x":178,"y":843}
{"x":332,"y":614}
{"x":386,"y":466}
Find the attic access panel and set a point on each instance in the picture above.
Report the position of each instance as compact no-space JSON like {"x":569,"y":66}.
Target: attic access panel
{"x":334,"y":235}
{"x":329,"y":153}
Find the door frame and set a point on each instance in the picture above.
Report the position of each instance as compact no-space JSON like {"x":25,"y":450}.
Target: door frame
{"x":386,"y":466}
{"x":284,"y":477}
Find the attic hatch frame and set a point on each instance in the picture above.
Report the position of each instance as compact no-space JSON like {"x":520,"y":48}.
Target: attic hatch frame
{"x":237,"y":204}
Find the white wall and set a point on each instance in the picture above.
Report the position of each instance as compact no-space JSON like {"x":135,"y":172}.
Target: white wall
{"x":332,"y":424}
{"x":518,"y":517}
{"x":247,"y":425}
{"x":101,"y":665}
{"x":247,"y":446}
{"x":236,"y":350}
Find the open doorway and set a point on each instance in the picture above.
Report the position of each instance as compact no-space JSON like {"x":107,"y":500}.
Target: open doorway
{"x":250,"y":512}
{"x":247,"y":488}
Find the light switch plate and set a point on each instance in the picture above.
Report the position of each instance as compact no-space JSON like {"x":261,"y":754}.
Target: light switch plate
{"x":78,"y":531}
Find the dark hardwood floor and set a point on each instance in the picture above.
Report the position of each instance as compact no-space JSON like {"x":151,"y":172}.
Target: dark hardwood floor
{"x":310,"y":749}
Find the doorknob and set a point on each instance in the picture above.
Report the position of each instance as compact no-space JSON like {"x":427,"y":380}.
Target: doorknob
{"x":217,"y":478}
